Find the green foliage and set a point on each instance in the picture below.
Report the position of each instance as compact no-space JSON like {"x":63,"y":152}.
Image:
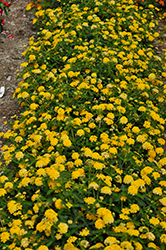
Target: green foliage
{"x":86,"y":158}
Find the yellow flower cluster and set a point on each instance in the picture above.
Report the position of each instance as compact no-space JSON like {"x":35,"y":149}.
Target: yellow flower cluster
{"x":85,"y":166}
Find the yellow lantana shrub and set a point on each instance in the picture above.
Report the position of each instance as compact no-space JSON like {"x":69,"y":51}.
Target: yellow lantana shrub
{"x":85,"y":167}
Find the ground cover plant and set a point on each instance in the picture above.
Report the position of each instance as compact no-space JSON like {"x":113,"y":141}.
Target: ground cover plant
{"x":85,"y":165}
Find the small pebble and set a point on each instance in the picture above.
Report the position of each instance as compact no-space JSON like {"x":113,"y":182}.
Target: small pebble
{"x":9,"y":78}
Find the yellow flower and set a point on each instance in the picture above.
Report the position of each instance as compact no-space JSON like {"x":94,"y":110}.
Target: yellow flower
{"x":135,"y":130}
{"x":105,"y":60}
{"x":152,"y":76}
{"x":162,"y":183}
{"x":63,"y":228}
{"x":32,"y":58}
{"x":154,"y":221}
{"x":80,"y":132}
{"x":110,"y":240}
{"x":19,"y":155}
{"x":123,"y":120}
{"x":2,"y":192}
{"x":58,"y":204}
{"x":147,"y":146}
{"x":5,"y":236}
{"x":24,"y":64}
{"x":159,"y":150}
{"x":84,"y":232}
{"x":156,"y":175}
{"x":126,"y":245}
{"x":113,"y":150}
{"x":146,"y":171}
{"x":3,"y":178}
{"x":42,"y":247}
{"x":93,"y":80}
{"x":78,"y":173}
{"x":18,"y":139}
{"x":38,"y":181}
{"x":71,"y":239}
{"x":34,"y":106}
{"x":106,"y":215}
{"x":133,"y":190}
{"x":93,"y":185}
{"x":36,"y":71}
{"x":51,"y":215}
{"x":84,"y":243}
{"x":133,"y":232}
{"x":97,"y":246}
{"x":125,"y":210}
{"x":99,"y":224}
{"x":94,"y":75}
{"x":150,"y":236}
{"x":29,"y":6}
{"x":87,"y":152}
{"x":106,"y":190}
{"x":141,"y":138}
{"x":142,"y":108}
{"x":69,"y":205}
{"x":67,"y":143}
{"x":128,"y":179}
{"x":89,"y":200}
{"x":36,"y":208}
{"x":24,"y":182}
{"x":123,"y":217}
{"x":138,"y":246}
{"x":25,"y":242}
{"x":157,"y":190}
{"x":8,"y":185}
{"x":134,"y":208}
{"x":52,"y":172}
{"x":163,"y":201}
{"x":161,"y":141}
{"x":130,"y":141}
{"x":13,"y":206}
{"x":15,"y":230}
{"x":47,"y":35}
{"x":75,"y":156}
{"x":163,"y":224}
{"x":93,"y":138}
{"x":152,"y":245}
{"x":92,"y":125}
{"x":98,"y":165}
{"x":113,"y":247}
{"x":78,"y":162}
{"x":69,"y":246}
{"x":123,"y":198}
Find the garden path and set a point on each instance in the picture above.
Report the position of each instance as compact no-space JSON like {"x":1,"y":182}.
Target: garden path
{"x":18,"y":23}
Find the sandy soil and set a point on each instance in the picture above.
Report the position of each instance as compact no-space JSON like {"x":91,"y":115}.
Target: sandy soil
{"x":18,"y":24}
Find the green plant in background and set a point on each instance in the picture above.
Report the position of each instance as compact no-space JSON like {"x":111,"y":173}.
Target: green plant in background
{"x":85,"y":165}
{"x":4,"y":8}
{"x":156,"y":3}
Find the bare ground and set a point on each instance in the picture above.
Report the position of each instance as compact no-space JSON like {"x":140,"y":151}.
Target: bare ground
{"x":18,"y":24}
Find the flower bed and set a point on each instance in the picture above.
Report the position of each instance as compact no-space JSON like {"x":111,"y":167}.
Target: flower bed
{"x":85,"y":165}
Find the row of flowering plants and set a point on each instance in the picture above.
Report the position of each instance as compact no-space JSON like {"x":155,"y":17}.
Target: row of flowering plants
{"x":84,"y":167}
{"x":157,"y":3}
{"x":4,"y":8}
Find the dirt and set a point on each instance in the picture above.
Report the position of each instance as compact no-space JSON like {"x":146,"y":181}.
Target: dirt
{"x":18,"y":23}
